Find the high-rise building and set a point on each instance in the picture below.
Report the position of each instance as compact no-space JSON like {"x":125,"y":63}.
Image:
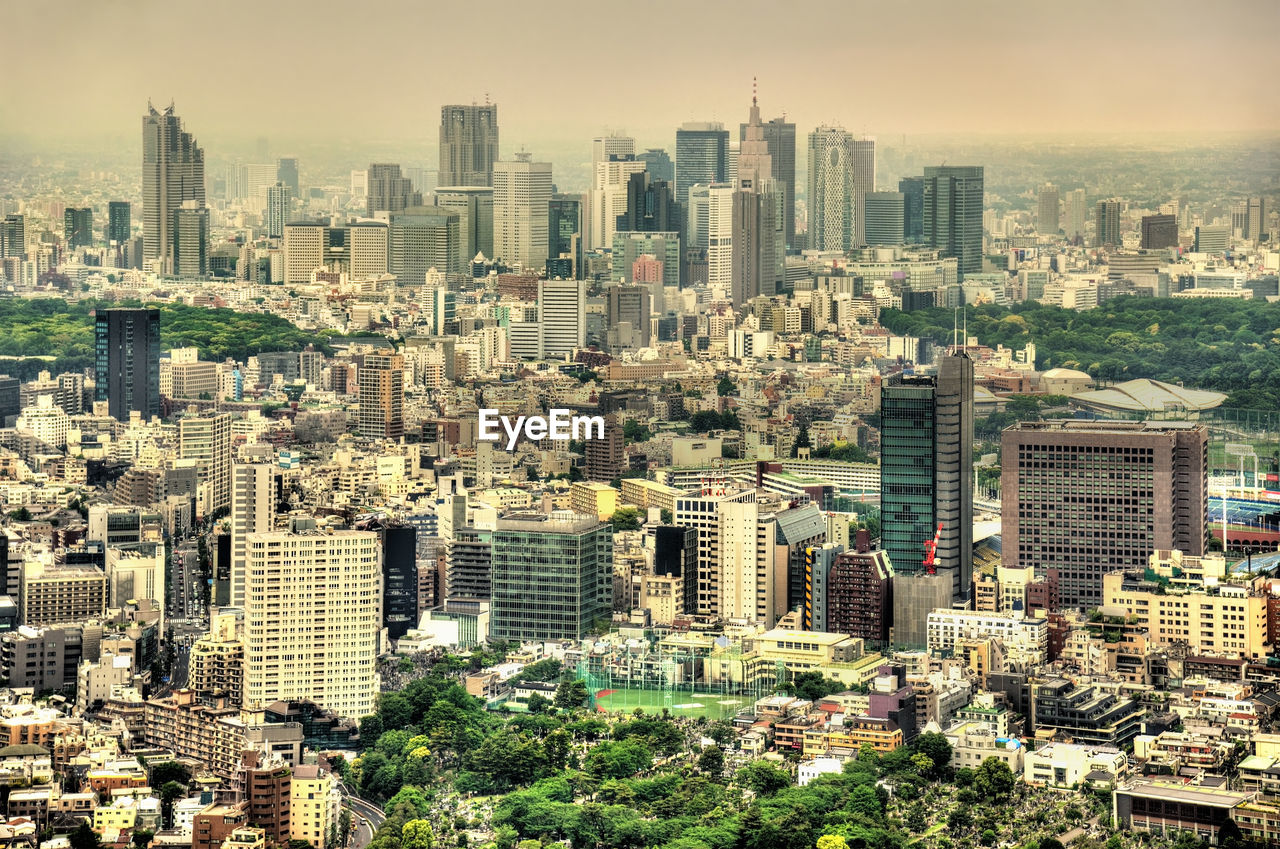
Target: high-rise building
{"x":858,"y":590}
{"x":605,"y":460}
{"x":926,"y":490}
{"x":1212,"y":238}
{"x":759,"y":236}
{"x":287,"y":175}
{"x":1159,"y":231}
{"x":1089,"y":498}
{"x":831,"y":190}
{"x":253,"y":511}
{"x":702,"y":156}
{"x":279,"y":198}
{"x":1076,"y":213}
{"x":552,"y":577}
{"x":521,"y":195}
{"x":13,"y":237}
{"x":659,"y":165}
{"x":205,"y":438}
{"x":780,"y":136}
{"x":381,"y":380}
{"x":885,"y":218}
{"x":608,"y":199}
{"x":190,"y":248}
{"x":953,"y":213}
{"x":389,"y":191}
{"x":650,"y":206}
{"x":313,"y":610}
{"x":119,"y":226}
{"x":912,"y":189}
{"x":358,"y":249}
{"x":564,"y":231}
{"x":604,"y":148}
{"x":474,"y":205}
{"x":420,"y":238}
{"x":399,"y":580}
{"x":709,"y":225}
{"x":172,"y":173}
{"x":627,"y":305}
{"x":629,"y":247}
{"x":1106,"y":224}
{"x":1047,"y":210}
{"x":127,"y":361}
{"x":468,"y":144}
{"x":864,"y":182}
{"x":1255,"y":219}
{"x":562,"y":315}
{"x":77,"y":227}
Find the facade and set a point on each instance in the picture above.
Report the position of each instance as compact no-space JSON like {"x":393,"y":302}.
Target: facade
{"x":885,"y":218}
{"x":216,"y":664}
{"x":205,"y":439}
{"x":382,"y":379}
{"x":314,"y":804}
{"x":552,"y":577}
{"x":190,"y":249}
{"x":628,"y":247}
{"x":780,"y":136}
{"x":948,"y":628}
{"x":859,"y":596}
{"x":172,"y":173}
{"x":562,"y":316}
{"x":399,"y":580}
{"x":912,"y":189}
{"x":1047,"y":222}
{"x":1089,"y":498}
{"x":1083,"y":713}
{"x":316,"y":596}
{"x":278,"y":203}
{"x":953,"y":198}
{"x":119,"y":226}
{"x":831,"y":197}
{"x":1106,"y":224}
{"x":521,"y":194}
{"x":702,"y":156}
{"x":389,"y":191}
{"x":127,"y":361}
{"x":564,"y":231}
{"x":51,"y":594}
{"x":77,"y":227}
{"x":358,"y":249}
{"x":474,"y":206}
{"x":420,"y":238}
{"x":253,"y":510}
{"x":1159,"y":231}
{"x":468,"y":144}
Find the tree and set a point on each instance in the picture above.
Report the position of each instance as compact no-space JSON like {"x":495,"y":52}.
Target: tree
{"x":665,"y":516}
{"x":726,"y":387}
{"x":994,"y":781}
{"x":537,"y":703}
{"x":711,"y":761}
{"x":572,"y":694}
{"x":763,"y":778}
{"x":1051,"y":843}
{"x":625,"y":519}
{"x":84,"y":837}
{"x":959,"y":820}
{"x":832,"y":841}
{"x":163,"y":773}
{"x":417,"y":834}
{"x":170,"y":792}
{"x":938,"y":750}
{"x":141,"y":838}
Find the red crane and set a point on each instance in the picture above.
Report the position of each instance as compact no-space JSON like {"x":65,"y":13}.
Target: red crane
{"x":931,"y":552}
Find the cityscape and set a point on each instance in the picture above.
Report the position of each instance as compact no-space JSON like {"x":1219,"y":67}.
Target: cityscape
{"x":617,"y":427}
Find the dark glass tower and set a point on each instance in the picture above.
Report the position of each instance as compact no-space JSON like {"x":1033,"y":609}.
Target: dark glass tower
{"x":127,"y":361}
{"x":651,"y":206}
{"x":702,"y":156}
{"x":399,"y":580}
{"x":119,"y":221}
{"x":172,"y":172}
{"x":287,"y":173}
{"x":912,"y":189}
{"x":659,"y":165}
{"x":953,"y":213}
{"x":564,"y":231}
{"x":77,"y":227}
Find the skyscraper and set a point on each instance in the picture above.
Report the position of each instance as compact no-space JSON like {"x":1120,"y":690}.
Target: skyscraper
{"x":650,"y":206}
{"x":1159,"y":231}
{"x":552,"y":577}
{"x":13,"y":237}
{"x":172,"y":173}
{"x":1047,"y":217}
{"x":564,"y":231}
{"x":399,"y":580}
{"x":780,"y":135}
{"x":1255,"y":220}
{"x":190,"y":247}
{"x":287,"y":174}
{"x":609,"y":196}
{"x":119,"y":226}
{"x":709,"y":225}
{"x":702,"y":156}
{"x":77,"y":227}
{"x":521,"y":194}
{"x":953,"y":196}
{"x":205,"y":438}
{"x":420,"y":238}
{"x":912,"y":189}
{"x":127,"y":361}
{"x":468,"y":144}
{"x":474,"y":205}
{"x":1106,"y":225}
{"x":278,"y":202}
{"x":864,"y":182}
{"x":1075,"y":209}
{"x":885,"y":218}
{"x":253,"y":511}
{"x":562,"y":316}
{"x":831,"y":190}
{"x":925,"y":487}
{"x":381,"y":381}
{"x":604,"y":148}
{"x":659,"y":165}
{"x":759,"y":237}
{"x":389,"y":191}
{"x":1089,"y":498}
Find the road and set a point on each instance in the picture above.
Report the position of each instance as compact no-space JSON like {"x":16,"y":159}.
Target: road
{"x":367,"y":817}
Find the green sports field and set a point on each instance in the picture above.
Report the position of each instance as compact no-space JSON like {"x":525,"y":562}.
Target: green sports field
{"x":683,"y":703}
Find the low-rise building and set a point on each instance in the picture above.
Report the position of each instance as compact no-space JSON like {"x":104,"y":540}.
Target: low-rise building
{"x":1071,"y":765}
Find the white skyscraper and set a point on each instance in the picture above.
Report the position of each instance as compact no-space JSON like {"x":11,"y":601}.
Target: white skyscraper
{"x":864,"y":181}
{"x":609,"y":197}
{"x":562,"y":316}
{"x":253,"y":511}
{"x":603,"y":147}
{"x":313,"y":609}
{"x":521,"y":194}
{"x":709,"y":224}
{"x":205,"y":439}
{"x":831,"y":190}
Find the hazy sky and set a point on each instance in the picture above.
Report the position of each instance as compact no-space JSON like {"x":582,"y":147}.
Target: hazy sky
{"x":289,"y":69}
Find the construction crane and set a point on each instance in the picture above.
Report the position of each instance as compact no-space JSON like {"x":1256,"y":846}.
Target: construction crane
{"x":931,"y":552}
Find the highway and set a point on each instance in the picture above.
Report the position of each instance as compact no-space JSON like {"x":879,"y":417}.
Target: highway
{"x":366,"y":816}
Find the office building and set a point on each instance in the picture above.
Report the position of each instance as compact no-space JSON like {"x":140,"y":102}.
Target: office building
{"x":709,"y":228}
{"x":253,"y":511}
{"x":912,"y":189}
{"x":780,"y":136}
{"x":953,"y":197}
{"x":421,"y":238}
{"x":552,"y":577}
{"x":127,"y":361}
{"x":172,"y":173}
{"x":359,"y":250}
{"x":1047,"y":210}
{"x":1106,"y":224}
{"x":49,"y":594}
{"x":627,"y":322}
{"x":474,"y":206}
{"x":926,"y":488}
{"x":13,"y":237}
{"x":564,"y":232}
{"x":77,"y":227}
{"x":119,"y":228}
{"x":675,"y":565}
{"x":702,"y":156}
{"x":521,"y":195}
{"x":313,"y":610}
{"x":279,"y":200}
{"x":287,"y":175}
{"x":885,"y":218}
{"x":864,"y":182}
{"x":381,"y":381}
{"x":759,"y":236}
{"x":1212,"y":238}
{"x":1255,"y":219}
{"x":205,"y":439}
{"x":609,"y":195}
{"x":1159,"y":231}
{"x":650,"y":206}
{"x":190,"y":248}
{"x":1076,"y":212}
{"x":389,"y":191}
{"x":399,"y":580}
{"x":562,"y":316}
{"x":831,"y":190}
{"x":629,"y":247}
{"x":468,"y":144}
{"x":1090,"y":498}
{"x":659,"y":165}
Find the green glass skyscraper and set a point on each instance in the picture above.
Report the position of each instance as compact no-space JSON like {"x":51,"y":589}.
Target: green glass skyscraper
{"x":552,"y":577}
{"x":953,"y":213}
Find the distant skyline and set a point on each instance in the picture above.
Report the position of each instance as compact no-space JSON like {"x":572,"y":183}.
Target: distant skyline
{"x":291,"y":70}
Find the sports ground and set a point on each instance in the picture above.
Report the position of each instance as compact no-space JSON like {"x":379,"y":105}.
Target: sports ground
{"x":683,"y":702}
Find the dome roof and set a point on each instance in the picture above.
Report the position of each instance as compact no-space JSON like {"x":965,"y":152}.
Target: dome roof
{"x":1065,"y":374}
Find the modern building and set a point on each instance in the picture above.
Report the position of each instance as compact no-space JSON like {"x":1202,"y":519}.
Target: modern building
{"x":420,"y":238}
{"x":389,"y":191}
{"x":287,"y":175}
{"x":864,"y":182}
{"x":1076,"y":213}
{"x":474,"y":206}
{"x":1090,"y":498}
{"x":119,"y":228}
{"x":628,"y":247}
{"x":885,"y":218}
{"x":1255,"y":221}
{"x":564,"y":232}
{"x":859,"y":595}
{"x":521,"y":197}
{"x":190,"y":248}
{"x":382,"y":382}
{"x":468,"y":144}
{"x":313,"y":610}
{"x":650,"y":205}
{"x":1047,"y":222}
{"x":127,"y":361}
{"x":253,"y":510}
{"x":702,"y":156}
{"x":780,"y":136}
{"x":912,"y":189}
{"x":13,"y":236}
{"x":953,"y":198}
{"x":205,"y":439}
{"x":1106,"y":224}
{"x":399,"y":580}
{"x":610,"y":191}
{"x":552,"y":577}
{"x":172,"y":173}
{"x":562,"y":316}
{"x":359,"y":249}
{"x":77,"y":227}
{"x":832,"y":190}
{"x":1084,"y":713}
{"x":659,"y":165}
{"x":1159,"y":231}
{"x":759,"y":234}
{"x":709,"y":227}
{"x":279,"y":201}
{"x":628,"y":322}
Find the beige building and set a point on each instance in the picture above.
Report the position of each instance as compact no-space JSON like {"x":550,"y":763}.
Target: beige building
{"x":217,"y":661}
{"x":646,"y":493}
{"x":313,"y":805}
{"x":54,"y":594}
{"x":205,"y":439}
{"x":589,"y":498}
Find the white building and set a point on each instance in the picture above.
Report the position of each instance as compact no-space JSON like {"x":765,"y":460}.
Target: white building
{"x":1069,"y":764}
{"x":45,"y":421}
{"x":521,"y":193}
{"x":562,"y":316}
{"x":808,"y":770}
{"x":609,"y":194}
{"x":253,"y":510}
{"x":947,"y":627}
{"x":206,"y":439}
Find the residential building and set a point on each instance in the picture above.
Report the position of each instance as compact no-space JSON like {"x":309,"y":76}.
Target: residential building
{"x":382,"y":382}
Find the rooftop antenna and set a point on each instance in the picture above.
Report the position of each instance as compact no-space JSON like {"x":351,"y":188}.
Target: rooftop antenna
{"x":486,"y":98}
{"x":965,"y":340}
{"x":754,"y":91}
{"x":955,"y":327}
